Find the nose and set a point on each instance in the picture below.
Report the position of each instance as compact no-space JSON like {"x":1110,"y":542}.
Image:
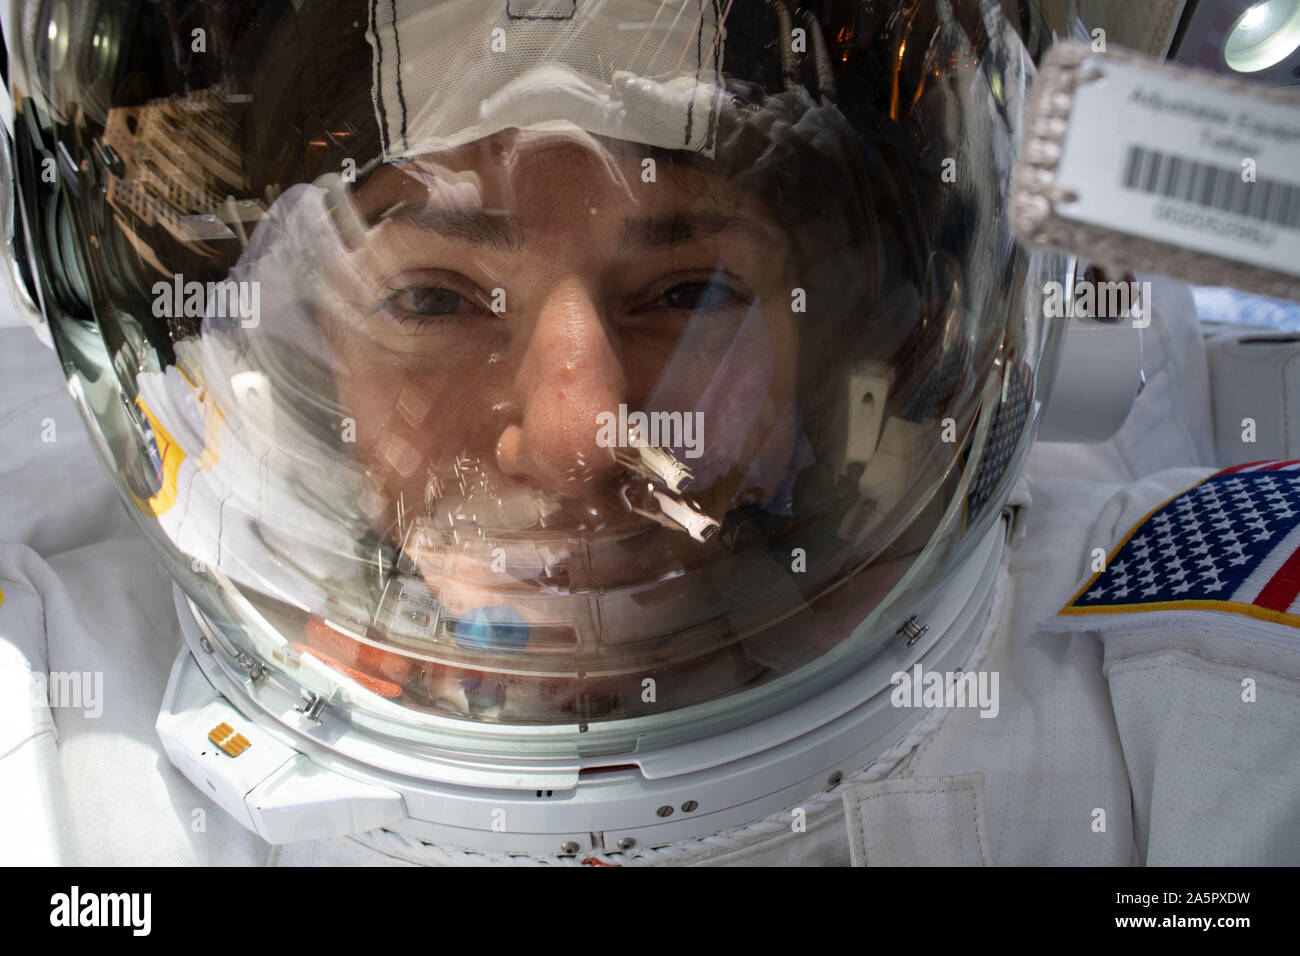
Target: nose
{"x":570,"y":372}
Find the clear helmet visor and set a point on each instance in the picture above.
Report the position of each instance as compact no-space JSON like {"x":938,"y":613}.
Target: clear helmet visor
{"x":542,"y":363}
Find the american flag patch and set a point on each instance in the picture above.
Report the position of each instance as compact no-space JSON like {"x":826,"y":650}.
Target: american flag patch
{"x":1230,"y":543}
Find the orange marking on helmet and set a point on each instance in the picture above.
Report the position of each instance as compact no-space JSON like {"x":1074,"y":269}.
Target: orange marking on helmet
{"x":375,"y":685}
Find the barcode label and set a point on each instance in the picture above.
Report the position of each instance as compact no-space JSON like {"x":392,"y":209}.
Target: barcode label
{"x":1212,"y":187}
{"x":1151,"y":157}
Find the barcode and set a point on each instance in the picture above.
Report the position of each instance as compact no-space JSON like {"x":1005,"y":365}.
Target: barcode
{"x":1213,"y":187}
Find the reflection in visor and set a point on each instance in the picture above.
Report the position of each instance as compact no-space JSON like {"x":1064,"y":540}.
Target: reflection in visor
{"x":646,"y":346}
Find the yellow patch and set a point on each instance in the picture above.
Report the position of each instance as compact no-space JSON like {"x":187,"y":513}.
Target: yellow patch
{"x":172,"y":457}
{"x":224,"y":736}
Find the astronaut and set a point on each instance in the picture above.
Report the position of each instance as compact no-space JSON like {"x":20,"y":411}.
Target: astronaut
{"x":592,"y":433}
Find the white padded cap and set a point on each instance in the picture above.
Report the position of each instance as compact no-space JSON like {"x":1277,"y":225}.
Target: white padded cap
{"x":456,"y":71}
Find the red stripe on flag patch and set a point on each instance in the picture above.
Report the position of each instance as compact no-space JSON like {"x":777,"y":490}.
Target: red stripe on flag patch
{"x":1282,"y":589}
{"x":1262,"y":465}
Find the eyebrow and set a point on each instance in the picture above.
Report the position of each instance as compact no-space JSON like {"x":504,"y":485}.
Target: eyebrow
{"x":480,"y":227}
{"x":501,"y":230}
{"x":657,"y":232}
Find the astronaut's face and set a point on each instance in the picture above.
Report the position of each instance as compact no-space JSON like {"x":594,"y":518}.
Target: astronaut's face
{"x":509,"y":296}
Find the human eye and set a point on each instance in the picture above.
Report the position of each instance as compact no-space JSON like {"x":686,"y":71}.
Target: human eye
{"x":700,"y":294}
{"x":423,"y":300}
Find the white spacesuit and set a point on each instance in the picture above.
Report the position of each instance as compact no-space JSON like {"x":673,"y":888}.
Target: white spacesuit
{"x":598,"y":433}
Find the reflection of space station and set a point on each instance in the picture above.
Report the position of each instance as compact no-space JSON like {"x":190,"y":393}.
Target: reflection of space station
{"x":157,"y":189}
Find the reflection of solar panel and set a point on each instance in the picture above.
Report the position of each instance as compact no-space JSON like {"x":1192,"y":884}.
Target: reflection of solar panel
{"x":1004,"y":434}
{"x":937,"y":391}
{"x":1214,"y":304}
{"x":173,"y":189}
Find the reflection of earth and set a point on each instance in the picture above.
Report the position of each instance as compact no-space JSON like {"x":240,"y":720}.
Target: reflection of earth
{"x":1240,"y":308}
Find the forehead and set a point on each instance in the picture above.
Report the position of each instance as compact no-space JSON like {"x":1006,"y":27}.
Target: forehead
{"x":562,"y":174}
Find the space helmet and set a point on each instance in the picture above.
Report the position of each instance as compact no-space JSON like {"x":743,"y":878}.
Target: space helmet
{"x":580,"y":407}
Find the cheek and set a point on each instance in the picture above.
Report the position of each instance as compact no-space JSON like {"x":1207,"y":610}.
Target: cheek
{"x":370,"y":400}
{"x":367,"y":399}
{"x":785,"y":350}
{"x":402,"y":420}
{"x":759,"y":359}
{"x":645,"y":358}
{"x":783,"y":327}
{"x":410,"y":410}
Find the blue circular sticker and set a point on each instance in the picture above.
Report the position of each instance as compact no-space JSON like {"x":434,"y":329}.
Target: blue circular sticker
{"x":495,"y":628}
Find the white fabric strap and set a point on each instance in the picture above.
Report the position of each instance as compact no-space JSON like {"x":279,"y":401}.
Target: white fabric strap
{"x":934,"y":821}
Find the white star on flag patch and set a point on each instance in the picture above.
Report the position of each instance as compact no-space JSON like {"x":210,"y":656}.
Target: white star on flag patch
{"x":1229,"y":544}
